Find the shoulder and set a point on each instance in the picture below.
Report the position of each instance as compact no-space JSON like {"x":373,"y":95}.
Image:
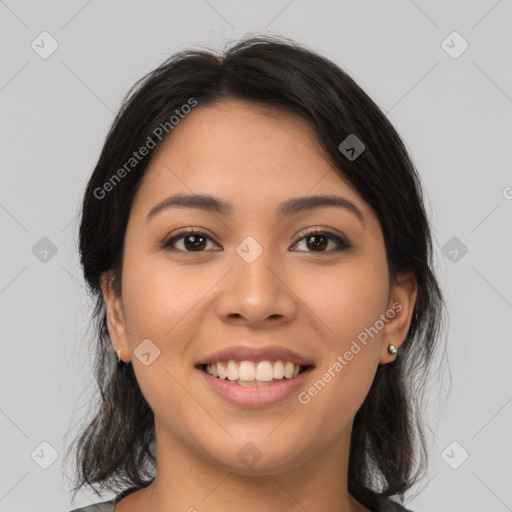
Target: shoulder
{"x":104,"y":506}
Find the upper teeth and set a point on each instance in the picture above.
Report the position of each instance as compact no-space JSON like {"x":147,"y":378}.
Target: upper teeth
{"x":263,"y":371}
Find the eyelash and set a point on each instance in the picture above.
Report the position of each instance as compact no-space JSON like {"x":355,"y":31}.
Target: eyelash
{"x":342,"y":243}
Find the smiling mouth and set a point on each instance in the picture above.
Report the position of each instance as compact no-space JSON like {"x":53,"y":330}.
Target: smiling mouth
{"x":251,"y":374}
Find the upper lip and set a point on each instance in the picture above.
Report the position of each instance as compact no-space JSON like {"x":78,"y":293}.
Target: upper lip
{"x":247,"y":353}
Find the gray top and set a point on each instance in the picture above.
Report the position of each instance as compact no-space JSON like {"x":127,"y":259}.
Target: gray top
{"x":104,"y":506}
{"x":385,"y":505}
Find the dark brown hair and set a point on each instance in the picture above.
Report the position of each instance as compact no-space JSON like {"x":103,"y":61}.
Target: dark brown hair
{"x":388,"y":448}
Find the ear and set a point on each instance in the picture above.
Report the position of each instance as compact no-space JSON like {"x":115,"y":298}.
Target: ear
{"x":115,"y":317}
{"x":402,"y":299}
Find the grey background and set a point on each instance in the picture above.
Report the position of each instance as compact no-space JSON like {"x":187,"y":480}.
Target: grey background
{"x":453,"y":114}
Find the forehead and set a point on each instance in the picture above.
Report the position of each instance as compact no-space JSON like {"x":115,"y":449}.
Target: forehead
{"x":246,"y":153}
{"x":245,"y":119}
{"x":235,"y":132}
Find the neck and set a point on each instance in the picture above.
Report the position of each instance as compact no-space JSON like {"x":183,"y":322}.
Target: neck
{"x":192,"y":482}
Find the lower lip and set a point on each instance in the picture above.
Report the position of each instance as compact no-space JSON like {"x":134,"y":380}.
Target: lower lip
{"x":257,"y":396}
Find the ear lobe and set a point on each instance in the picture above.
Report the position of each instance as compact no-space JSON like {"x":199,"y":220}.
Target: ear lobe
{"x":401,"y":304}
{"x":115,"y":316}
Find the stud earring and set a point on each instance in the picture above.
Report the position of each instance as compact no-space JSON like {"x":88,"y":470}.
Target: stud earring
{"x":392,"y":350}
{"x":118,"y":356}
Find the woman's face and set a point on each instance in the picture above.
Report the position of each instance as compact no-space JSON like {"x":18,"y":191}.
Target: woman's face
{"x":253,"y":278}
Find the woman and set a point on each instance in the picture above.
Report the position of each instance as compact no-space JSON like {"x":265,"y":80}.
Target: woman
{"x":255,"y":237}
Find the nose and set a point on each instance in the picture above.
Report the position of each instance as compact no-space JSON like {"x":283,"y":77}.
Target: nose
{"x":256,"y":294}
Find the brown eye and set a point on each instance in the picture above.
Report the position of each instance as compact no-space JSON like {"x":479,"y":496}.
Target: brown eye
{"x":193,"y":241}
{"x":317,"y":241}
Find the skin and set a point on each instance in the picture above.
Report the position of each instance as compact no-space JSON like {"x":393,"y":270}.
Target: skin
{"x":189,"y":304}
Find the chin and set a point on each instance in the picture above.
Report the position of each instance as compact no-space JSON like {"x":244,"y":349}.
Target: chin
{"x":251,"y":460}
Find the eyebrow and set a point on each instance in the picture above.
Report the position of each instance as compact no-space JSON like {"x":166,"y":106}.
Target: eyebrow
{"x":286,"y":208}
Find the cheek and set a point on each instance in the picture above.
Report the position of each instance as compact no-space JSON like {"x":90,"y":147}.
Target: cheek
{"x":349,"y":299}
{"x":351,"y":303}
{"x":158,"y":301}
{"x":158,"y":295}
